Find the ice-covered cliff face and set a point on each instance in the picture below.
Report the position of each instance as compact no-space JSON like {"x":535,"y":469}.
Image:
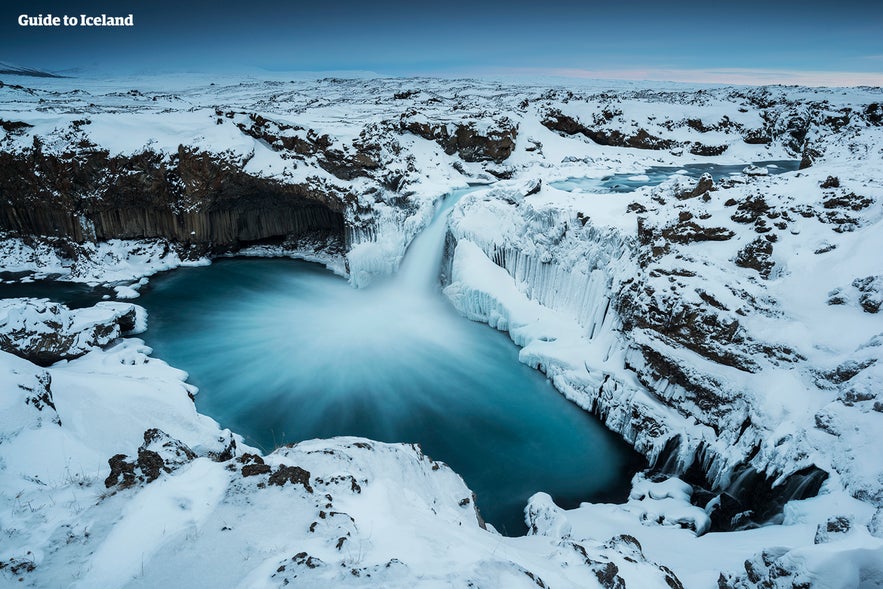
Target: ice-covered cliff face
{"x":746,"y":305}
{"x":730,"y":329}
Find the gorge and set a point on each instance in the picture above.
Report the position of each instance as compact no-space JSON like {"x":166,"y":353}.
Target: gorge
{"x":682,"y":312}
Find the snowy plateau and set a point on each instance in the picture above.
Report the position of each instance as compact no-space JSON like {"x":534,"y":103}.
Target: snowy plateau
{"x":729,"y":328}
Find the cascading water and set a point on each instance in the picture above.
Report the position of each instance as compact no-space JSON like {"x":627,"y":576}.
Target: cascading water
{"x":285,"y":351}
{"x":422,"y":263}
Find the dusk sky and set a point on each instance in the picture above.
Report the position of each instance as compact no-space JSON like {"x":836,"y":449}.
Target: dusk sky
{"x":745,"y":42}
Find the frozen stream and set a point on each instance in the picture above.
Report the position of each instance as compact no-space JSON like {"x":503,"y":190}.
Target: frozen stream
{"x":285,"y":351}
{"x":656,"y":175}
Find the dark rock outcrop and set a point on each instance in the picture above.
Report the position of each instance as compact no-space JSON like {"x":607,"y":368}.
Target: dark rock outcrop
{"x":703,"y":186}
{"x":496,"y":144}
{"x":756,"y":255}
{"x":640,"y":139}
{"x":160,"y":453}
{"x":871,"y":292}
{"x":291,"y":474}
{"x":190,"y":197}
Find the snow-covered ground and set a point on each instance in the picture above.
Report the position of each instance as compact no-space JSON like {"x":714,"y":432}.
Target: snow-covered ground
{"x":729,"y":330}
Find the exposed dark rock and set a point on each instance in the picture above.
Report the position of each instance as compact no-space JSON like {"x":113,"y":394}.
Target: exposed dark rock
{"x":641,"y":139}
{"x":707,"y":150}
{"x":751,"y":209}
{"x":703,"y":186}
{"x":250,"y":470}
{"x":835,"y":526}
{"x":831,"y":182}
{"x":808,"y":157}
{"x":291,"y":474}
{"x":251,"y":458}
{"x":14,"y":127}
{"x":120,"y":468}
{"x":756,"y":255}
{"x":670,"y":578}
{"x":229,"y":451}
{"x":465,"y":139}
{"x":698,"y":125}
{"x":608,"y":575}
{"x":190,"y":197}
{"x":150,"y":463}
{"x":771,"y":568}
{"x":795,"y":132}
{"x":871,"y":289}
{"x":874,"y":114}
{"x":837,"y":297}
{"x":17,"y":566}
{"x":626,"y":545}
{"x":690,"y":232}
{"x":724,"y":511}
{"x":853,"y":395}
{"x":39,"y":395}
{"x":757,"y":137}
{"x":849,"y":201}
{"x":160,"y":453}
{"x":847,"y":370}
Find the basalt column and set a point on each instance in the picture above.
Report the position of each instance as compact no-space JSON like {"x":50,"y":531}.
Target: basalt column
{"x":190,"y":197}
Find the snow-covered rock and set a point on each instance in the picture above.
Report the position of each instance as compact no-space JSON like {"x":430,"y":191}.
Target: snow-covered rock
{"x":46,"y":332}
{"x":727,"y":328}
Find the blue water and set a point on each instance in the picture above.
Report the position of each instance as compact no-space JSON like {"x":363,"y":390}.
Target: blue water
{"x":73,"y":294}
{"x":284,"y":351}
{"x":656,"y":175}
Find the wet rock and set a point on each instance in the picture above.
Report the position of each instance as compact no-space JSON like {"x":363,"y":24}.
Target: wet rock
{"x":725,"y":512}
{"x":291,"y":474}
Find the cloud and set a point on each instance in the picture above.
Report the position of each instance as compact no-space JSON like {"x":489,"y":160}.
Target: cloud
{"x":734,"y":76}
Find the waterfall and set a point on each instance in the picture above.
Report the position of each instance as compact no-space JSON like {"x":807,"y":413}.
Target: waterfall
{"x":421,"y":265}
